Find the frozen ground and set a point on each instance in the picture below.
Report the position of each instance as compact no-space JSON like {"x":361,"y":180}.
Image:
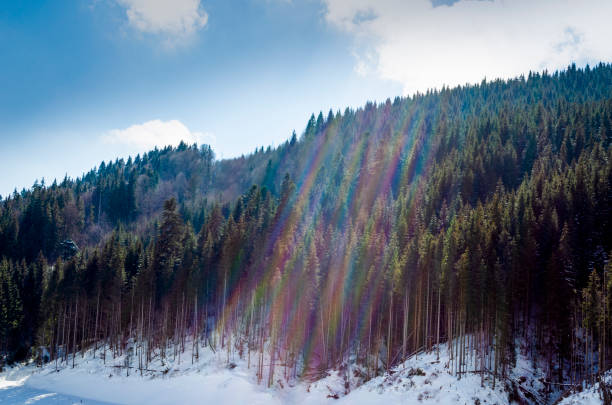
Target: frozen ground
{"x":13,"y":392}
{"x":589,"y":396}
{"x":26,"y":395}
{"x":423,"y":379}
{"x":91,"y":380}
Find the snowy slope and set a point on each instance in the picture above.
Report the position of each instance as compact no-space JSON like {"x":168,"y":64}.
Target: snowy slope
{"x":589,"y":396}
{"x":182,"y":382}
{"x":422,"y":379}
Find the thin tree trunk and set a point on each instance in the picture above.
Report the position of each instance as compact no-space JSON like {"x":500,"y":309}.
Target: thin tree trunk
{"x":438,"y":324}
{"x":76,"y":316}
{"x":96,"y":326}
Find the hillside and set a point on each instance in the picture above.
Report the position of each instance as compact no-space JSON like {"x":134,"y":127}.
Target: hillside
{"x":478,"y":214}
{"x":422,"y":378}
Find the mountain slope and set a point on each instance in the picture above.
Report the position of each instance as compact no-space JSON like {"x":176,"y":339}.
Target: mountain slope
{"x":479,"y":214}
{"x":423,"y":378}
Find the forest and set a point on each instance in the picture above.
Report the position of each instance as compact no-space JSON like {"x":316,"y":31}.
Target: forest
{"x":477,"y":216}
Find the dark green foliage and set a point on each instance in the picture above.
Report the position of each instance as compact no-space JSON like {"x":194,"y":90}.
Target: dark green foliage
{"x":168,"y":249}
{"x":11,"y":309}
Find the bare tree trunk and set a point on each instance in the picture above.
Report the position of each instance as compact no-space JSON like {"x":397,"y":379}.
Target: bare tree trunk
{"x":149,"y":335}
{"x":64,"y":334}
{"x":131,"y":314}
{"x":84,"y":322}
{"x":405,"y":328}
{"x":96,"y":327}
{"x":389,"y":339}
{"x":251,"y":332}
{"x":194,"y":346}
{"x":76,"y":316}
{"x":426,"y":337}
{"x":438,"y":326}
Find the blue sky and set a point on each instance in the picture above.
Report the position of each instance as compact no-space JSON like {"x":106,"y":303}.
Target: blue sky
{"x":89,"y":80}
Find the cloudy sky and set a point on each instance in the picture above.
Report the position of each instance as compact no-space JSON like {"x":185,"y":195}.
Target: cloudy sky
{"x":83,"y":81}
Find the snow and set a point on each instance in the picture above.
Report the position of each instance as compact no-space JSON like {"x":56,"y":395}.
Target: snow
{"x":589,"y":396}
{"x":422,"y":379}
{"x":426,"y":380}
{"x":25,"y":395}
{"x":183,"y":383}
{"x":13,"y":390}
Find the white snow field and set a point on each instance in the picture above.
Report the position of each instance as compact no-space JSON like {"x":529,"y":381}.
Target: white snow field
{"x":93,"y":380}
{"x":422,"y":379}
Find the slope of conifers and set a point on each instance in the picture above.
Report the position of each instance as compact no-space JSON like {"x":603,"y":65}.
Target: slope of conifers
{"x":472,"y":215}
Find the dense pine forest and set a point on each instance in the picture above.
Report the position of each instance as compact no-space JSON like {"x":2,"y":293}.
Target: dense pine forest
{"x":477,"y":216}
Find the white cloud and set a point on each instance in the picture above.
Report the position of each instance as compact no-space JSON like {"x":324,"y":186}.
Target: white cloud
{"x":146,"y":136}
{"x":173,"y":18}
{"x":423,"y":47}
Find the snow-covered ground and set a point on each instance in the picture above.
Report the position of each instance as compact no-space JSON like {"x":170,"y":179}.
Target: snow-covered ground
{"x":422,"y":379}
{"x":26,"y":395}
{"x":425,"y":379}
{"x":15,"y":391}
{"x":589,"y":396}
{"x":182,"y":383}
